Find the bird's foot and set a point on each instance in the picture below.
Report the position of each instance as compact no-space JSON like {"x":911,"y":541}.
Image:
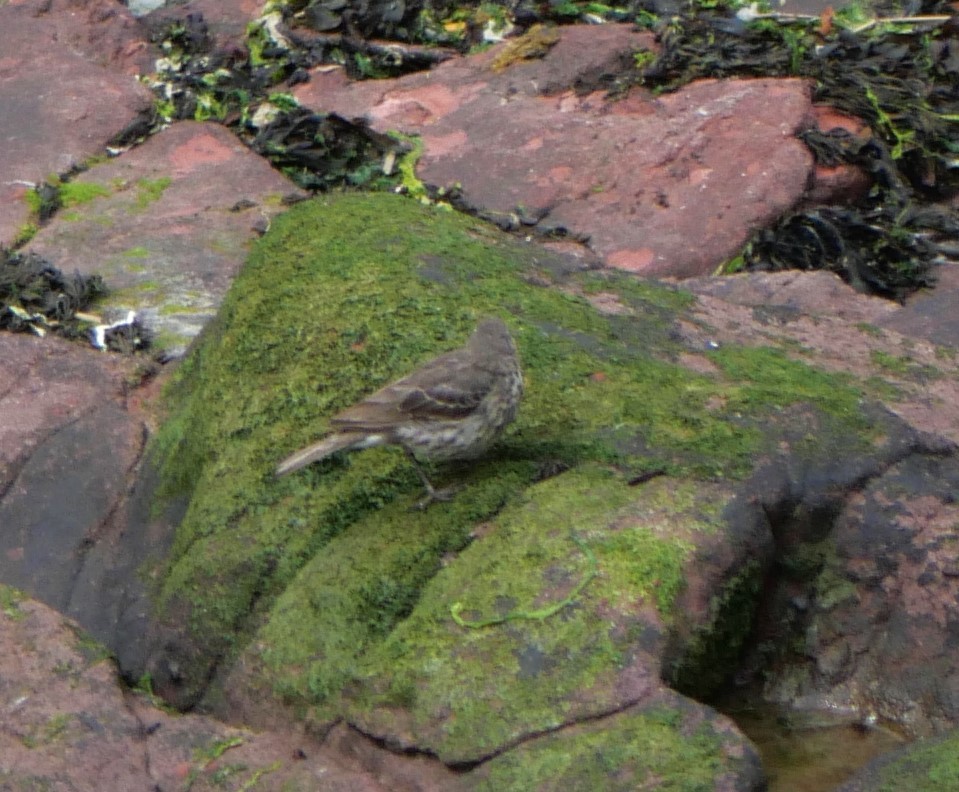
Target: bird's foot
{"x":434,"y":495}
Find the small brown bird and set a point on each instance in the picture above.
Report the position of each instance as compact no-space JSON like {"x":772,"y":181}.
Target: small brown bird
{"x":452,"y":407}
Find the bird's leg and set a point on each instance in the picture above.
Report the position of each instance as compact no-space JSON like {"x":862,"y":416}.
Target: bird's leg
{"x":432,"y":494}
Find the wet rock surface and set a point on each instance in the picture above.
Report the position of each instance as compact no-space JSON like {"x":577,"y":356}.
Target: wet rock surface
{"x":925,"y":766}
{"x":886,"y":586}
{"x":49,"y":385}
{"x":67,"y":89}
{"x":169,"y":224}
{"x":68,"y":724}
{"x":668,"y":185}
{"x":643,"y":179}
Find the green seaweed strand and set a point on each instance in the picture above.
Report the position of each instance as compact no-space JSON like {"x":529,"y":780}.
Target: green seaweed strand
{"x":543,"y":613}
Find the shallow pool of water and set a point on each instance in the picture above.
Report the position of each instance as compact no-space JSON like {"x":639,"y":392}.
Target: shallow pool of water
{"x":810,"y":752}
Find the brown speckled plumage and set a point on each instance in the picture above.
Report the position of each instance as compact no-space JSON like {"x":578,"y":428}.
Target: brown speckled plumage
{"x":453,"y":407}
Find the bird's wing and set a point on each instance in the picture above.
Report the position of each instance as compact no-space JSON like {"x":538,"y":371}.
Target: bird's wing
{"x":445,"y":388}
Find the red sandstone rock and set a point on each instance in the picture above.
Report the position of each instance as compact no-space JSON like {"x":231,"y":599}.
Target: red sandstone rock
{"x":68,"y":724}
{"x":46,"y":385}
{"x":670,"y":185}
{"x":61,"y":104}
{"x":67,"y":448}
{"x":174,"y":227}
{"x":931,"y":314}
{"x":103,"y":32}
{"x":677,"y":151}
{"x":803,"y":293}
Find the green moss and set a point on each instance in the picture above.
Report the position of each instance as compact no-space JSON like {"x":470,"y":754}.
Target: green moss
{"x":904,"y":366}
{"x":945,"y":353}
{"x":534,"y":43}
{"x":894,"y":365}
{"x":407,"y":166}
{"x":10,"y":599}
{"x":273,"y":199}
{"x":216,"y":749}
{"x":137,"y":292}
{"x":88,"y":647}
{"x":25,"y":233}
{"x":883,"y":390}
{"x":77,"y":193}
{"x":170,"y":340}
{"x":715,"y":647}
{"x":521,"y":677}
{"x":870,"y":329}
{"x":348,"y":292}
{"x":95,"y":159}
{"x":649,"y":750}
{"x":135,"y":253}
{"x":52,"y":731}
{"x":833,"y":588}
{"x":816,"y":563}
{"x":926,"y":767}
{"x":174,"y":309}
{"x":767,"y":379}
{"x":634,"y":293}
{"x":204,"y":756}
{"x":33,"y":200}
{"x":150,"y":190}
{"x":367,"y":580}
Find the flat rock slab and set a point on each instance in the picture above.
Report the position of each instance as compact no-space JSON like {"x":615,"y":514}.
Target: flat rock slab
{"x":103,"y":32}
{"x":765,"y":309}
{"x":890,"y":611}
{"x":68,"y":724}
{"x":47,"y":385}
{"x":67,"y":445}
{"x":168,"y":226}
{"x":931,"y":314}
{"x":66,"y":89}
{"x":671,"y":185}
{"x":793,"y":294}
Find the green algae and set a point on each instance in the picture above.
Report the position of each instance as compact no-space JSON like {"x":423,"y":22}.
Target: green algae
{"x":33,"y":201}
{"x":655,"y":749}
{"x":10,"y":599}
{"x":24,"y":234}
{"x":925,"y":767}
{"x":367,"y":580}
{"x":150,"y":190}
{"x":506,"y":681}
{"x":78,"y":193}
{"x":326,"y":568}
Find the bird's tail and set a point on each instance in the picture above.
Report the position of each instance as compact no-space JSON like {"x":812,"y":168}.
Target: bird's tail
{"x":319,"y":450}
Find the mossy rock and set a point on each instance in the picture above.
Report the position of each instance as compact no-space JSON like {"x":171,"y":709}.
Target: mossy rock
{"x":339,"y":599}
{"x":556,"y":616}
{"x":927,"y":766}
{"x":667,"y":744}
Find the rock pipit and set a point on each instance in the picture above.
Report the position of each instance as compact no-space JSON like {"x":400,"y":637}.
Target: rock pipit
{"x":451,"y":408}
